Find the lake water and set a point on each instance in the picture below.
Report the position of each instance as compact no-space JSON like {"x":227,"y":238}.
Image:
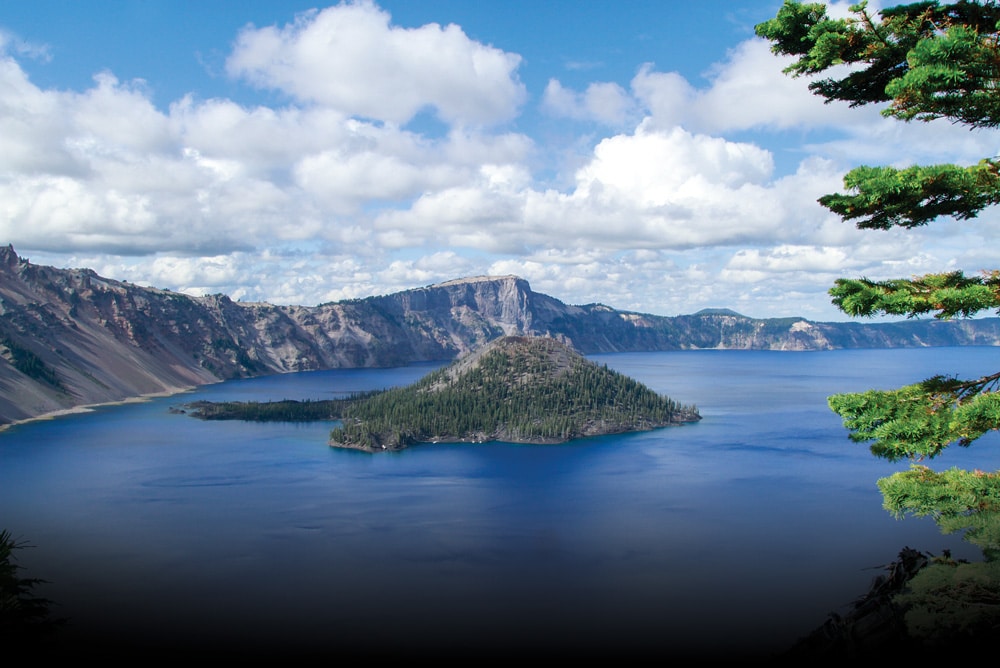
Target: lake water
{"x":736,"y":534}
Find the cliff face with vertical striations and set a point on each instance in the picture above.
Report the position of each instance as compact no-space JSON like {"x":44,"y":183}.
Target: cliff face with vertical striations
{"x":69,"y":337}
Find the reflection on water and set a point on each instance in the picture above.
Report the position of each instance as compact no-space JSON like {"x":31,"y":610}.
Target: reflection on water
{"x":740,"y":532}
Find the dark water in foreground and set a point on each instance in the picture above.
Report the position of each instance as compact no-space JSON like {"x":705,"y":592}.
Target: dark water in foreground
{"x":736,"y":534}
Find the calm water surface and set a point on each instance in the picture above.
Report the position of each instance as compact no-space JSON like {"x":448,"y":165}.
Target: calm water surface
{"x":741,"y":532}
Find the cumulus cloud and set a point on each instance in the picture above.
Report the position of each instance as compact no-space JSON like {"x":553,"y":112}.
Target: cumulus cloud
{"x":105,"y":168}
{"x":653,"y":168}
{"x":350,"y":58}
{"x":666,"y":96}
{"x":747,"y":90}
{"x":645,"y":190}
{"x":674,"y":201}
{"x":673,"y":189}
{"x":604,"y":102}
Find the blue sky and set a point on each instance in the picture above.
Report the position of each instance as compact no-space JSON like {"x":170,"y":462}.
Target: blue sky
{"x":647,"y":155}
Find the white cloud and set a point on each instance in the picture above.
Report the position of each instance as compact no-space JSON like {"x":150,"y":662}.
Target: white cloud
{"x":342,"y":183}
{"x":11,"y":43}
{"x":604,"y":102}
{"x":196,"y":275}
{"x":749,"y":90}
{"x":655,"y":168}
{"x":262,"y":141}
{"x":350,"y":58}
{"x":646,"y":190}
{"x":333,"y":196}
{"x":786,"y":258}
{"x":119,"y":118}
{"x":485,"y":214}
{"x":105,"y":168}
{"x":32,"y":125}
{"x":667,"y":96}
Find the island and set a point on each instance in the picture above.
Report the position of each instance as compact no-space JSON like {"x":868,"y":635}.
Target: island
{"x":516,"y":389}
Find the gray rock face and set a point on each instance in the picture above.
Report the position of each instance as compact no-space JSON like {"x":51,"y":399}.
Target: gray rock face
{"x":69,"y":337}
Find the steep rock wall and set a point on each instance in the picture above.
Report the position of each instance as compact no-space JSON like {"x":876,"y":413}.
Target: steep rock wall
{"x":69,"y":337}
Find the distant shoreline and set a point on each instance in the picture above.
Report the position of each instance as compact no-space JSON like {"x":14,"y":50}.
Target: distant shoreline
{"x":482,"y":438}
{"x":455,"y":440}
{"x":89,"y":408}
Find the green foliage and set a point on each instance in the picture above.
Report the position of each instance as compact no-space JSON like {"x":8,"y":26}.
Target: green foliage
{"x":920,"y":420}
{"x":952,"y":69}
{"x":927,"y":61}
{"x":884,"y":197}
{"x":946,"y":602}
{"x":953,"y":493}
{"x":901,"y":422}
{"x":950,"y":599}
{"x":30,"y":364}
{"x":948,"y":295}
{"x":285,"y":410}
{"x":522,"y":394}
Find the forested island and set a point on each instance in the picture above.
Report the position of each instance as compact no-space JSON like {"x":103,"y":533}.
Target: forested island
{"x":285,"y":410}
{"x":515,"y":389}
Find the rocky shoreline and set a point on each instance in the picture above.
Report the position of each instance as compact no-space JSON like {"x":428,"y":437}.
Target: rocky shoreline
{"x":471,"y":440}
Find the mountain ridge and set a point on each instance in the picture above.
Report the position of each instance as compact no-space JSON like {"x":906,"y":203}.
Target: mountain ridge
{"x":70,"y":338}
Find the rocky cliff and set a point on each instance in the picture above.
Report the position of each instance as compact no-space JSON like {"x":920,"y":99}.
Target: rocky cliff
{"x":69,"y":337}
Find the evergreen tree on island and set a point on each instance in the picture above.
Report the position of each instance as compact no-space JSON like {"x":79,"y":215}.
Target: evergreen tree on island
{"x":925,"y":61}
{"x":515,"y":389}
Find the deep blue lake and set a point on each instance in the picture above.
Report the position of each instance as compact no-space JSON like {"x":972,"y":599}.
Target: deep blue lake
{"x":741,"y":532}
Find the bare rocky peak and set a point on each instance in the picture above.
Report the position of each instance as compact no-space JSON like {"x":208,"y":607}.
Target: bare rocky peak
{"x":69,"y":337}
{"x":549,"y":354}
{"x":8,"y":258}
{"x":477,"y":279}
{"x":507,"y":300}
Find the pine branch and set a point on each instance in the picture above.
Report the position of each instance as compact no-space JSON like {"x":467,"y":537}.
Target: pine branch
{"x":950,"y":294}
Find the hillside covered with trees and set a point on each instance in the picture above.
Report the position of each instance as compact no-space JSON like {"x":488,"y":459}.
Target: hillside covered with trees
{"x":517,"y":389}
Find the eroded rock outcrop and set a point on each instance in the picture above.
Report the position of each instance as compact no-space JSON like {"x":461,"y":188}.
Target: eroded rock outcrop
{"x":69,"y":337}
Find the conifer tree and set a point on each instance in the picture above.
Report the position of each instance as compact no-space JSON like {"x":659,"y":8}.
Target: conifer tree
{"x":24,"y":617}
{"x":923,"y":61}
